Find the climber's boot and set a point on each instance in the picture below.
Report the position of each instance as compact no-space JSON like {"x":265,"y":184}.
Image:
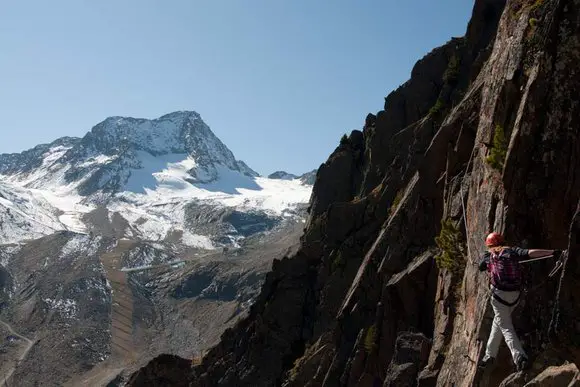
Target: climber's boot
{"x":522,"y":363}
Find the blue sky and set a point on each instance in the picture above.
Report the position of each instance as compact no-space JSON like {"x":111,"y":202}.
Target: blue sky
{"x":278,"y":81}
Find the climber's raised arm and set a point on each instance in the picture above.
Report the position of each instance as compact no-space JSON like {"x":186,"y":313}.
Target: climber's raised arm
{"x":539,"y":253}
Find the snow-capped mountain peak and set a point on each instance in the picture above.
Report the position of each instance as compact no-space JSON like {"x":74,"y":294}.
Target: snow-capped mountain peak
{"x":149,"y":172}
{"x":105,"y":158}
{"x":100,"y":235}
{"x":159,"y":136}
{"x":181,"y":132}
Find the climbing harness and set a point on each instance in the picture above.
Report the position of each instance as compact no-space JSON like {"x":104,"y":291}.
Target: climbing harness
{"x":502,"y":301}
{"x":559,"y":264}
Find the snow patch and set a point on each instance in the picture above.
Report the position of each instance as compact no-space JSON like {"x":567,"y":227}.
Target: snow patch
{"x":96,"y":160}
{"x":81,"y":244}
{"x":66,"y":307}
{"x":53,"y":154}
{"x":151,"y":170}
{"x":193,"y":240}
{"x":6,"y":252}
{"x":69,"y":203}
{"x":24,"y":215}
{"x":147,"y":255}
{"x":160,"y":208}
{"x":143,"y":257}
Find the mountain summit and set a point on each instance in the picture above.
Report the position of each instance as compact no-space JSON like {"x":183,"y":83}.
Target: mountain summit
{"x":155,"y":174}
{"x":109,"y":156}
{"x":182,"y":132}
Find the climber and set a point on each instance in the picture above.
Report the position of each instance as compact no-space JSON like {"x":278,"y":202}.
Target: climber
{"x":502,"y":264}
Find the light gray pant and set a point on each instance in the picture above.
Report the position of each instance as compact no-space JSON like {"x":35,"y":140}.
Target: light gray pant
{"x":502,"y":325}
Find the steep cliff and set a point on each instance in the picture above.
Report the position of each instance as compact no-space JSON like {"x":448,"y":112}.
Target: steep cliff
{"x":384,"y":289}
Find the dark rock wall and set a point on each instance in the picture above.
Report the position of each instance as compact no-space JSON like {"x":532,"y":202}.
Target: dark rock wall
{"x":367,"y":301}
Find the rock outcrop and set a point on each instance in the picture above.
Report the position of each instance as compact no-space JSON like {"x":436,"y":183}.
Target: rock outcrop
{"x":384,"y":289}
{"x":165,"y":370}
{"x":566,"y":375}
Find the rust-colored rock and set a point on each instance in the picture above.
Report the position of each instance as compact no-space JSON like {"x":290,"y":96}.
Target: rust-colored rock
{"x":366,"y":271}
{"x":561,"y":376}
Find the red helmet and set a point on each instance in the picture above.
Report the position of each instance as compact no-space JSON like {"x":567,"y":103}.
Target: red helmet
{"x":494,"y":239}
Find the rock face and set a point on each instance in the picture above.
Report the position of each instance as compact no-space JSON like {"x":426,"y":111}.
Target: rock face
{"x":166,"y":370}
{"x":411,"y":354}
{"x":566,"y":375}
{"x":484,"y":136}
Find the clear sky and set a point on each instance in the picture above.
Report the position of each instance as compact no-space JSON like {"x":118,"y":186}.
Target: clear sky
{"x":278,"y":81}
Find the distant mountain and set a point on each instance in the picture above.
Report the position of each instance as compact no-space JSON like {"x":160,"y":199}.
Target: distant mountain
{"x":142,"y":237}
{"x":145,"y":176}
{"x":309,"y":178}
{"x":281,"y":175}
{"x":122,"y":153}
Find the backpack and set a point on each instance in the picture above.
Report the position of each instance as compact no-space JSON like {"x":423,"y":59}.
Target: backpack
{"x":505,"y":271}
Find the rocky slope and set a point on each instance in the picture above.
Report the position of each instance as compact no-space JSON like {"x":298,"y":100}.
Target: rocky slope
{"x":94,"y":307}
{"x":384,"y":289}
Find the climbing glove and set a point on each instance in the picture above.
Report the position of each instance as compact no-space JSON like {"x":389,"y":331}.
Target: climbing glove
{"x":557,"y":254}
